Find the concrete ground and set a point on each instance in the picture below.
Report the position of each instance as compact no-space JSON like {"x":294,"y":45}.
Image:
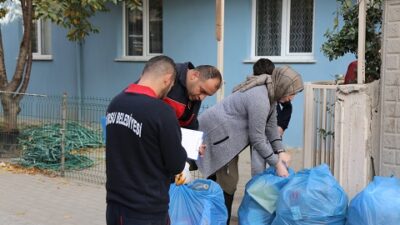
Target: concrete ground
{"x":43,"y":200}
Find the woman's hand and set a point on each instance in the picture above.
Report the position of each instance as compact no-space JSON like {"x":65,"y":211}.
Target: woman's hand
{"x":202,"y":150}
{"x":281,"y":169}
{"x":285,"y":158}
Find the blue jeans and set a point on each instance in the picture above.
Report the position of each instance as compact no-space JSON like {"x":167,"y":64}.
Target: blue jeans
{"x":120,"y":215}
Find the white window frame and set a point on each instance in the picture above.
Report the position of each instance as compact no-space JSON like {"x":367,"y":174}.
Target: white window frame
{"x":38,"y":55}
{"x":286,"y":56}
{"x":146,"y":44}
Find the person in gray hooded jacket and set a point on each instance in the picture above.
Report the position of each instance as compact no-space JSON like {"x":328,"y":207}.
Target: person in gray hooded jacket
{"x":247,"y":117}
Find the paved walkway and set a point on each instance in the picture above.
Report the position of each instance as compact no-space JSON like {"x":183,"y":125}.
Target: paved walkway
{"x":43,"y":200}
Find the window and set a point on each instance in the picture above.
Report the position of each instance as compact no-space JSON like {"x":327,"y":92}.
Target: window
{"x":41,"y":40}
{"x":143,"y":30}
{"x":283,"y":30}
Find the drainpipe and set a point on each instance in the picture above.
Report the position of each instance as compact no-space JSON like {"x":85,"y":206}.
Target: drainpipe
{"x":220,"y":12}
{"x":361,"y":41}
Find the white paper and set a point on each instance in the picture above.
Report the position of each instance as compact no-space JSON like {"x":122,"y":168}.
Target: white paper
{"x":191,"y":141}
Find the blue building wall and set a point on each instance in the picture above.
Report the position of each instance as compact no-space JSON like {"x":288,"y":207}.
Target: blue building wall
{"x":92,"y":68}
{"x":190,"y":35}
{"x":48,"y":76}
{"x":103,"y":74}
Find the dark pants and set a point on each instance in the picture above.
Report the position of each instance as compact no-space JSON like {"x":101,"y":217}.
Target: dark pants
{"x":120,"y":215}
{"x":228,"y":204}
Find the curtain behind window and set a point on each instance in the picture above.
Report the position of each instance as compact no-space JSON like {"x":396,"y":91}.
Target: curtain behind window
{"x":268,"y":28}
{"x":155,"y":26}
{"x":46,"y":37}
{"x":34,"y":37}
{"x":134,"y":31}
{"x":301,"y":25}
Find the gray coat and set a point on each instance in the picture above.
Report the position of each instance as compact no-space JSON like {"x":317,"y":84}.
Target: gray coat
{"x":240,"y":119}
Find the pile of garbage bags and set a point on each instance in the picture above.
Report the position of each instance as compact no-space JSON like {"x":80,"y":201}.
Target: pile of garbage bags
{"x":313,"y":196}
{"x":310,"y":196}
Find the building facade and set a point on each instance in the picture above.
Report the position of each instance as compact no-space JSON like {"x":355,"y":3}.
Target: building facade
{"x":286,"y":31}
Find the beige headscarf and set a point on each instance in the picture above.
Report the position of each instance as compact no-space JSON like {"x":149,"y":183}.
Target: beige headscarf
{"x":284,"y":81}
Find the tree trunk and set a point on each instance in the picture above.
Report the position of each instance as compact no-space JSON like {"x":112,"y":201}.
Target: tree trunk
{"x":13,"y":90}
{"x":10,"y":113}
{"x":9,"y":131}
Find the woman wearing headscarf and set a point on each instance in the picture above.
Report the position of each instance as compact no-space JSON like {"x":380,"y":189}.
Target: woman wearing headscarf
{"x":247,"y":117}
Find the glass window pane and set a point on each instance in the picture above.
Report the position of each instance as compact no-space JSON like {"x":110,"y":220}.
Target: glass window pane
{"x":155,"y":26}
{"x":301,"y":25}
{"x":34,"y":37}
{"x":268,"y":27}
{"x":134,"y":30}
{"x":46,"y":37}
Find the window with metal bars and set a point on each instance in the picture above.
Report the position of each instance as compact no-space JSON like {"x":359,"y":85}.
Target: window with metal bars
{"x":283,"y":29}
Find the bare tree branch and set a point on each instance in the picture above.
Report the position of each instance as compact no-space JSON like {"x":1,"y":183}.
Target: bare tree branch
{"x":27,"y":77}
{"x":24,"y":47}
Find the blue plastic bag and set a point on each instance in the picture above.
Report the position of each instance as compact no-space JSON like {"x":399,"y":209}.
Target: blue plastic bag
{"x":259,"y":200}
{"x":103,"y":122}
{"x":377,"y":204}
{"x":200,"y":202}
{"x":312,"y":196}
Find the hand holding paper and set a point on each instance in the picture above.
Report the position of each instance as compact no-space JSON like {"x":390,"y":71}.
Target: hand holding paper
{"x":202,"y":150}
{"x":191,"y":141}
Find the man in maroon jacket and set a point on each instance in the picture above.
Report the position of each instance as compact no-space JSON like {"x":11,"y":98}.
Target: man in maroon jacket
{"x":192,"y":85}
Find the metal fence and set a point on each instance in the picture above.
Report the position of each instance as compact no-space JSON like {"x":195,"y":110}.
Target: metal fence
{"x":319,"y":124}
{"x":62,"y":134}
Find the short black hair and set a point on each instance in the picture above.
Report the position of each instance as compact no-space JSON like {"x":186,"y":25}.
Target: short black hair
{"x":263,"y":66}
{"x":160,"y":65}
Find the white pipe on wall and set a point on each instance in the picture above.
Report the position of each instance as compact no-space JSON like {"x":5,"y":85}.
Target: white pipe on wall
{"x":220,"y":14}
{"x":361,"y":41}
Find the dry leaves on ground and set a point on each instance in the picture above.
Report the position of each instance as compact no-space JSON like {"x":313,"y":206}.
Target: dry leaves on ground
{"x":14,"y":168}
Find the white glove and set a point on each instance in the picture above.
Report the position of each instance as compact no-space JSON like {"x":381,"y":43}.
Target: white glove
{"x":184,"y":177}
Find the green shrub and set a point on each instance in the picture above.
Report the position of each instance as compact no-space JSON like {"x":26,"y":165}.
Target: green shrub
{"x":345,"y":40}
